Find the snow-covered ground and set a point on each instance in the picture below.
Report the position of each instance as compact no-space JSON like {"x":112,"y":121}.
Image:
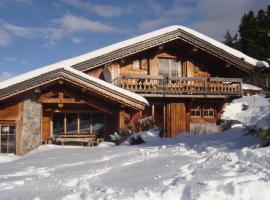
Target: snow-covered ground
{"x":217,"y":166}
{"x":226,"y":165}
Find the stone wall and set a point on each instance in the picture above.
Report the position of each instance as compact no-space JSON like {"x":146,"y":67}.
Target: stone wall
{"x":31,"y":125}
{"x":200,"y":129}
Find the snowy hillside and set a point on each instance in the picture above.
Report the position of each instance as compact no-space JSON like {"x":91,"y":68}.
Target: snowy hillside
{"x":217,"y":166}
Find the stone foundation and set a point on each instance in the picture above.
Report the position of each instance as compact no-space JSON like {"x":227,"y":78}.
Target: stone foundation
{"x":200,"y":129}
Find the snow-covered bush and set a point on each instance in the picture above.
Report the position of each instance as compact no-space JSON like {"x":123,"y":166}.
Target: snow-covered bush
{"x":259,"y":133}
{"x":264,"y":135}
{"x":145,"y":124}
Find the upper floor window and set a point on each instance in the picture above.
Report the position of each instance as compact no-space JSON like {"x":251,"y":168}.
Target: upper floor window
{"x":169,"y":67}
{"x":136,"y":64}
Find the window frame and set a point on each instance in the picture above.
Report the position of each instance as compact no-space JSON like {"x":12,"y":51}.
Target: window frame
{"x":208,"y":110}
{"x":78,"y":123}
{"x":8,"y":142}
{"x":202,"y":108}
{"x":170,"y":66}
{"x":136,"y":64}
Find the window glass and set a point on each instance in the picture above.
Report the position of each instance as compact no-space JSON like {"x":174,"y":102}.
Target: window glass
{"x":58,"y":123}
{"x":176,"y":68}
{"x":85,"y":123}
{"x":198,"y":113}
{"x":97,"y":123}
{"x":136,"y":64}
{"x":72,"y":122}
{"x":8,"y":139}
{"x":163,"y":66}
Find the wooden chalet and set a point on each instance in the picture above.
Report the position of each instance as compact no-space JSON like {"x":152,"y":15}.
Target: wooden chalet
{"x":175,"y":75}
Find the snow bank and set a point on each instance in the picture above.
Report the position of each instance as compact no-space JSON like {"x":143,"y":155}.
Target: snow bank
{"x":234,"y":138}
{"x":106,"y":144}
{"x":258,"y":108}
{"x":264,"y":123}
{"x":246,"y":86}
{"x":150,"y":136}
{"x":7,"y":158}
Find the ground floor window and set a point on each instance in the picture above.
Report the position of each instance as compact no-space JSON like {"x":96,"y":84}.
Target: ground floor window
{"x":7,"y":138}
{"x":201,"y":110}
{"x":78,"y":123}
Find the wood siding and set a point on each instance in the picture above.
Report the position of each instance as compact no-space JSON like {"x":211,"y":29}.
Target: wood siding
{"x":9,"y":112}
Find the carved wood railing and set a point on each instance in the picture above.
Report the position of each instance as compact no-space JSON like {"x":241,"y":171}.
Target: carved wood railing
{"x":159,"y":85}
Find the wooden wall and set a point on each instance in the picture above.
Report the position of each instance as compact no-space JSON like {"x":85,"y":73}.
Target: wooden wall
{"x":191,"y":65}
{"x":9,"y":112}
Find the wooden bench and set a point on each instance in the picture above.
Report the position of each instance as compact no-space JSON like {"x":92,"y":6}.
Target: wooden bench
{"x":88,"y":139}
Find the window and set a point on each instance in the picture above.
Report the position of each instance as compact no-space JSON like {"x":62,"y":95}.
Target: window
{"x":97,"y":123}
{"x":136,"y":64}
{"x":196,"y":112}
{"x":71,"y":122}
{"x":85,"y":122}
{"x":169,"y":67}
{"x":208,"y":112}
{"x":163,"y":66}
{"x":58,"y":123}
{"x":175,"y":68}
{"x":74,"y":123}
{"x":202,"y":111}
{"x":7,"y":138}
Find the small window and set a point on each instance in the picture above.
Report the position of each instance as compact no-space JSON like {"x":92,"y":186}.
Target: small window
{"x":7,"y":138}
{"x":208,"y":112}
{"x":195,"y":112}
{"x":136,"y":64}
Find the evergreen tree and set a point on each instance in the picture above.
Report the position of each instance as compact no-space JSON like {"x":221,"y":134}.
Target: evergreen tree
{"x":231,"y":41}
{"x":253,"y":38}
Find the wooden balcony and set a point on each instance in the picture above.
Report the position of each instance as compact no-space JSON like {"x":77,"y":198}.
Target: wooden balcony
{"x":155,"y":86}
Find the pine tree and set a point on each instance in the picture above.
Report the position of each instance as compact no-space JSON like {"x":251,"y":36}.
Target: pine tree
{"x":231,"y":41}
{"x":247,"y":32}
{"x":253,"y":38}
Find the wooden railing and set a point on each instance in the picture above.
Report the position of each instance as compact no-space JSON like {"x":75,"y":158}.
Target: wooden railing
{"x":170,"y":86}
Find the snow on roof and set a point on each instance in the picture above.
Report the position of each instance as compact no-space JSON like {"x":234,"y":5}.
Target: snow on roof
{"x":119,"y":45}
{"x":246,"y":86}
{"x":108,"y":85}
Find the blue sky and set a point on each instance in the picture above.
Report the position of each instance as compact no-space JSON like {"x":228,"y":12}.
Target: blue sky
{"x":34,"y":33}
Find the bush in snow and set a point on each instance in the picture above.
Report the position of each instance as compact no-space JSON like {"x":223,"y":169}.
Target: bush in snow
{"x":261,"y":134}
{"x":145,"y":124}
{"x":264,"y":135}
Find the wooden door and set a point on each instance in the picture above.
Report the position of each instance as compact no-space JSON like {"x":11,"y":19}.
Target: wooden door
{"x":46,"y":125}
{"x":175,"y":118}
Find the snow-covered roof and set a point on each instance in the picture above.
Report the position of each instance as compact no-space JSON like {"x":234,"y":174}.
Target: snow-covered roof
{"x":246,"y":86}
{"x":93,"y":54}
{"x":109,"y":86}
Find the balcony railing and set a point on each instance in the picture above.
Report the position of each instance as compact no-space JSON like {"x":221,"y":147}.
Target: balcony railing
{"x":181,"y":86}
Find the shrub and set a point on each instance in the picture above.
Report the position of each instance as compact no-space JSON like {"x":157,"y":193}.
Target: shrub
{"x":261,"y":134}
{"x":145,"y":124}
{"x":264,"y":135}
